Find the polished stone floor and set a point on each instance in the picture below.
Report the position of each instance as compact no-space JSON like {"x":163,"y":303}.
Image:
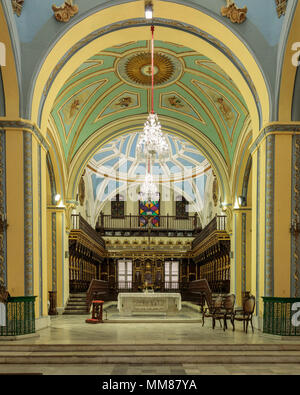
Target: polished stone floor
{"x":156,"y":370}
{"x":72,"y":329}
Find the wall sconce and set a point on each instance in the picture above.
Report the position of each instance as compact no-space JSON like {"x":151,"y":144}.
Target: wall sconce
{"x":242,"y":201}
{"x":57,"y":198}
{"x":148,"y":10}
{"x":3,"y":223}
{"x":295,"y":227}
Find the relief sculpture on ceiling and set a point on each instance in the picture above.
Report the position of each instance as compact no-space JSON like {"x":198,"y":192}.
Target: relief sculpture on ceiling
{"x":73,"y":106}
{"x":175,"y":102}
{"x":124,"y":101}
{"x":65,"y":11}
{"x":17,"y":6}
{"x":225,"y":110}
{"x":236,"y":15}
{"x":281,"y":7}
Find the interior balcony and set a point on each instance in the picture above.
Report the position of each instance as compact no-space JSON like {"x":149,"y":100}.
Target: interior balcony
{"x":165,"y":225}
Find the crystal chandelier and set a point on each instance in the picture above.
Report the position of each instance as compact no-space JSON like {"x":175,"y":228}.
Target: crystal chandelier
{"x":148,"y":191}
{"x":152,"y":143}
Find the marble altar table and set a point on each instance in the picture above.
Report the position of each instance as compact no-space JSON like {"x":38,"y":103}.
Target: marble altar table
{"x":149,"y":303}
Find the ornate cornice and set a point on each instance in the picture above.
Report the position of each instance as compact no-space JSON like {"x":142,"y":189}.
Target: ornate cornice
{"x":27,"y":126}
{"x":235,"y":14}
{"x":65,"y":11}
{"x":85,"y":240}
{"x":274,"y":128}
{"x":281,"y":7}
{"x":17,"y":6}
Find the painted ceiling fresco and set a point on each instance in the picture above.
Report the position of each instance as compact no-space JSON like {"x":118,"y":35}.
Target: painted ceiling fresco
{"x":115,"y":84}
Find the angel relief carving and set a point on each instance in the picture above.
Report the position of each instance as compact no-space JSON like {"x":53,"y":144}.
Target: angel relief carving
{"x":17,"y":6}
{"x":236,"y":15}
{"x":281,"y":7}
{"x":65,"y":11}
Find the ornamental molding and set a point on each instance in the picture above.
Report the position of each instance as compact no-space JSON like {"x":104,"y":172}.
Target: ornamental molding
{"x":236,"y":15}
{"x":272,"y":129}
{"x":281,"y":7}
{"x":25,"y":126}
{"x":65,"y":11}
{"x":17,"y":6}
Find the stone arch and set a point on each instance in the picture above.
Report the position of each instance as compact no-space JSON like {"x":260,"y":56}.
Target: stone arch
{"x":210,"y":36}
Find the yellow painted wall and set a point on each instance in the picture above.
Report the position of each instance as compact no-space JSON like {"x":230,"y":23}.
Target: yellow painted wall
{"x":15,"y":212}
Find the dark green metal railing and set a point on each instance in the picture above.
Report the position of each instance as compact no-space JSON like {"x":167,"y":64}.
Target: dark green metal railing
{"x":280,"y":318}
{"x":20,"y":316}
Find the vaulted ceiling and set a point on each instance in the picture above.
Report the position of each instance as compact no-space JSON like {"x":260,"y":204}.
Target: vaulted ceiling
{"x":116,"y":167}
{"x":114,"y":85}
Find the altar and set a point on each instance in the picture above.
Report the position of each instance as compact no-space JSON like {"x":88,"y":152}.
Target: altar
{"x":149,"y":303}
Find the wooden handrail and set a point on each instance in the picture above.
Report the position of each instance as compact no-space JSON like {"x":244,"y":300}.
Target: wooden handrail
{"x":166,"y":222}
{"x":79,"y":223}
{"x":218,"y":223}
{"x":97,"y":288}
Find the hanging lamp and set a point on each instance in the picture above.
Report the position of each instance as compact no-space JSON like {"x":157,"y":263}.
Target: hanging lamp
{"x":152,"y":142}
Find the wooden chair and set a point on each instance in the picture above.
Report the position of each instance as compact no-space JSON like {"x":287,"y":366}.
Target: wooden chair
{"x":212,"y":309}
{"x":246,"y":313}
{"x":225,"y":312}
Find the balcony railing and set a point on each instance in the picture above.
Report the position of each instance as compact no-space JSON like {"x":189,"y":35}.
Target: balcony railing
{"x":131,"y":223}
{"x":218,"y":223}
{"x":79,"y":223}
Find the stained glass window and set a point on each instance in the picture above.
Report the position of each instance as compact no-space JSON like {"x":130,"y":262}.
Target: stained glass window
{"x":117,"y":207}
{"x":149,"y":209}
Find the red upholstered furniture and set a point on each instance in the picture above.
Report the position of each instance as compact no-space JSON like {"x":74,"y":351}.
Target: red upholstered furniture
{"x":97,"y":312}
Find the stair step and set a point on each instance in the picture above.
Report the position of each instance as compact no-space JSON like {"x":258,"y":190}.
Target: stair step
{"x":75,"y":356}
{"x":74,"y":312}
{"x":83,"y":305}
{"x":77,"y":304}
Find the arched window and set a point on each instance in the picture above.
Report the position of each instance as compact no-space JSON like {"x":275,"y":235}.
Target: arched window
{"x":182,"y":205}
{"x":118,"y":207}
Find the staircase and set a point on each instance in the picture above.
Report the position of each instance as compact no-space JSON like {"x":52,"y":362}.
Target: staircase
{"x":149,"y":353}
{"x":76,"y":304}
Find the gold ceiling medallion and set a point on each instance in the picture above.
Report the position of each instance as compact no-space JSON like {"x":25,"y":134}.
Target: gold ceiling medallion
{"x":281,"y":7}
{"x":17,"y":6}
{"x":65,"y":11}
{"x":236,"y":15}
{"x":138,"y":68}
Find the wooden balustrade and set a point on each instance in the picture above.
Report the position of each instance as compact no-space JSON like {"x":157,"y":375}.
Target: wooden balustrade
{"x":131,"y":223}
{"x":218,"y":223}
{"x":79,"y":223}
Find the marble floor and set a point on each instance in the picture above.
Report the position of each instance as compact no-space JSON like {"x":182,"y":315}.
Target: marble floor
{"x":72,"y":329}
{"x":155,"y":370}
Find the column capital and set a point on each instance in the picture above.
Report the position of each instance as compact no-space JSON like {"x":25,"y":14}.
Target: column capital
{"x":275,"y":128}
{"x":25,"y":125}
